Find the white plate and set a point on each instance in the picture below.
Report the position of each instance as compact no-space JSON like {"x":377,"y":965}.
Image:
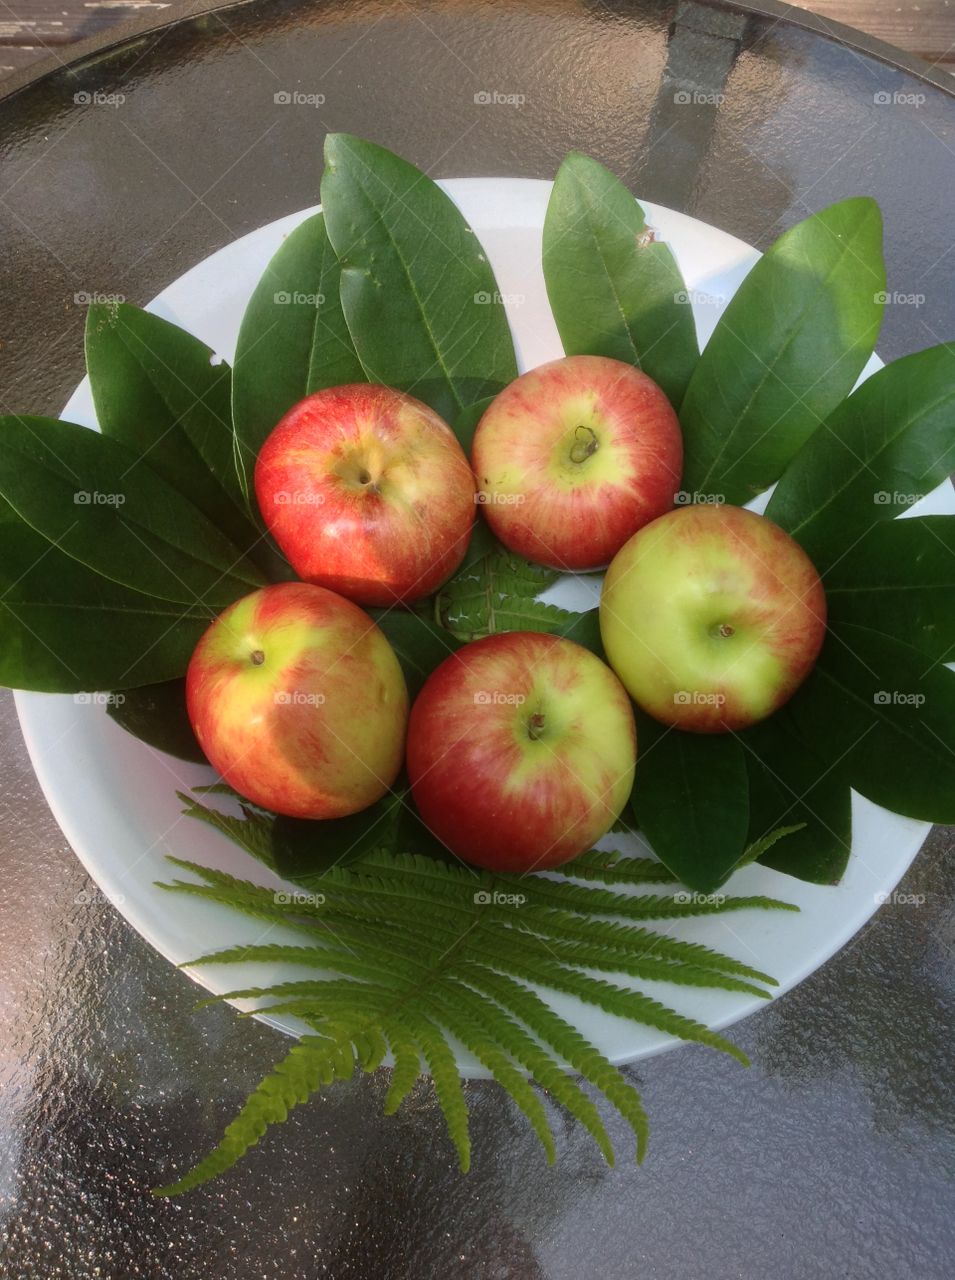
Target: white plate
{"x":115,"y":798}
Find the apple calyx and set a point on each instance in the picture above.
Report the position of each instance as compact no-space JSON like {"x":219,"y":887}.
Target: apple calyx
{"x":256,"y":657}
{"x":585,"y":444}
{"x":724,"y":630}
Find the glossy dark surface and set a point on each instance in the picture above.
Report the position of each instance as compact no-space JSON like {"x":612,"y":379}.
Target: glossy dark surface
{"x":834,"y":1154}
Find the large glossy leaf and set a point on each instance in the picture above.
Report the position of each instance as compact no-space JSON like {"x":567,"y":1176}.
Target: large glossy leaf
{"x":886,"y":719}
{"x":792,"y":784}
{"x":156,"y":714}
{"x":691,"y":800}
{"x":420,"y":644}
{"x":304,"y":851}
{"x":899,"y":578}
{"x":95,"y":499}
{"x":787,"y":350}
{"x":418,"y":293}
{"x":293,"y":340}
{"x":614,"y":289}
{"x":157,"y":390}
{"x":885,"y":447}
{"x":66,"y":629}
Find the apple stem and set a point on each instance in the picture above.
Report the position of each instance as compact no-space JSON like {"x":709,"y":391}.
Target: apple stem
{"x":256,"y":657}
{"x":586,"y":444}
{"x":535,"y":725}
{"x":726,"y":631}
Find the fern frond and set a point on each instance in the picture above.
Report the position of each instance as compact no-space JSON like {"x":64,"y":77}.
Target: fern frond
{"x":405,"y":1072}
{"x":610,"y":867}
{"x":444,"y":1073}
{"x":503,"y":1030}
{"x":569,"y":1043}
{"x":312,"y":1062}
{"x":499,"y":1065}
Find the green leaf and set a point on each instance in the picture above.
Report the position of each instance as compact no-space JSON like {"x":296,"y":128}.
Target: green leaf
{"x":615,"y":290}
{"x":885,"y":713}
{"x":791,"y":783}
{"x":303,"y":850}
{"x":420,"y":644}
{"x":584,"y":629}
{"x":881,"y":450}
{"x":499,"y":593}
{"x":156,"y":714}
{"x":789,"y":347}
{"x":156,"y":390}
{"x":465,"y":424}
{"x":691,"y":799}
{"x":418,"y":293}
{"x":899,"y":578}
{"x":293,"y":340}
{"x":95,"y":499}
{"x":66,"y":629}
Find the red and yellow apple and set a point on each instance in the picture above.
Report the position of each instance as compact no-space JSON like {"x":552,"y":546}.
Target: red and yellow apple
{"x":298,"y":700}
{"x":575,"y":456}
{"x":712,"y":617}
{"x":521,"y":751}
{"x":367,"y":492}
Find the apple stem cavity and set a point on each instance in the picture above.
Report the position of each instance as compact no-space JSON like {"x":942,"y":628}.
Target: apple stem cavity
{"x":585,"y":444}
{"x":535,"y":725}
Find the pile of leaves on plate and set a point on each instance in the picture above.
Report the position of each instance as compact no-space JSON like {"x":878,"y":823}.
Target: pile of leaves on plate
{"x":117,"y":549}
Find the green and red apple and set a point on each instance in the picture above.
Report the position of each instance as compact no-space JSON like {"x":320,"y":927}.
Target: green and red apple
{"x":575,"y":456}
{"x":298,"y":700}
{"x":712,"y":617}
{"x":521,"y":751}
{"x":367,"y":492}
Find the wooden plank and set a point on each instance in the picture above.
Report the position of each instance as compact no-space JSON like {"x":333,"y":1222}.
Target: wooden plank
{"x":925,"y":27}
{"x":58,"y":22}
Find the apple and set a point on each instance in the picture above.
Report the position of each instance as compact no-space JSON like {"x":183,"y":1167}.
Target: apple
{"x":521,"y":751}
{"x":368,"y":492}
{"x":712,"y":617}
{"x":298,"y":701}
{"x":575,"y":456}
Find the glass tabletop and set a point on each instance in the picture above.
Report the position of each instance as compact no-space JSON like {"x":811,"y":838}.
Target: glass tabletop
{"x":833,"y":1155}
